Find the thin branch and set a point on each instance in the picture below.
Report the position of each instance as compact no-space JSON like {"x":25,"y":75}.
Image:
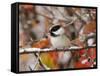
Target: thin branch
{"x":71,"y":18}
{"x":50,"y":12}
{"x":30,"y":68}
{"x":40,"y":62}
{"x":37,"y":50}
{"x":92,"y":36}
{"x":65,"y":21}
{"x":65,"y":16}
{"x":78,"y":16}
{"x":35,"y":65}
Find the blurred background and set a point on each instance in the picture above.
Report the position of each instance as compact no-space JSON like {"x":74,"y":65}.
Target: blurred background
{"x":34,"y":24}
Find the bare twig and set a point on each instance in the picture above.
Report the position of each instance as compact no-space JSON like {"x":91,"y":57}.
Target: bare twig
{"x":52,"y":18}
{"x":30,"y":68}
{"x":79,"y":16}
{"x":71,"y":18}
{"x":50,"y":12}
{"x":40,"y":62}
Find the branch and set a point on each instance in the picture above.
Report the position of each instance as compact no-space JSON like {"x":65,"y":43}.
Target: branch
{"x":40,"y":62}
{"x":78,"y":16}
{"x":32,"y":68}
{"x":38,"y":50}
{"x":73,"y":19}
{"x":50,"y":11}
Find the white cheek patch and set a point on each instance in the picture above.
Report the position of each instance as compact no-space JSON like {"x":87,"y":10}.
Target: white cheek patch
{"x":59,"y":32}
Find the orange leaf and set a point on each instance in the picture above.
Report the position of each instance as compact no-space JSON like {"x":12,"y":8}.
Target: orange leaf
{"x":90,"y":27}
{"x":41,"y":44}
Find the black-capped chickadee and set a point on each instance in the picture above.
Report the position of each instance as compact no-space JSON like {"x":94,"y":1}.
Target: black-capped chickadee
{"x":58,"y":39}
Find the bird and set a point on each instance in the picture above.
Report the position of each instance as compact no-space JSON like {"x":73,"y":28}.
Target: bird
{"x":58,"y":39}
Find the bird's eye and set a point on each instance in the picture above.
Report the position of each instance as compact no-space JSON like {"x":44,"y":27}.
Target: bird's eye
{"x":55,"y":28}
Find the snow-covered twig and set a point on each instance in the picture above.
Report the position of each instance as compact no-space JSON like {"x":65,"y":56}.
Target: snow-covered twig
{"x":37,"y":50}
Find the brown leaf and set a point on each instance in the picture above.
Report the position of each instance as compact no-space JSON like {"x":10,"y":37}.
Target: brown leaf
{"x":90,"y":27}
{"x":41,"y":44}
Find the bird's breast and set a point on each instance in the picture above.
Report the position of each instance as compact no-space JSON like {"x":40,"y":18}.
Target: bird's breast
{"x":60,"y":41}
{"x":64,"y":57}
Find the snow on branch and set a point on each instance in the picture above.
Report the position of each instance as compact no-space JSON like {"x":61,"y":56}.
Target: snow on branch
{"x":38,"y":50}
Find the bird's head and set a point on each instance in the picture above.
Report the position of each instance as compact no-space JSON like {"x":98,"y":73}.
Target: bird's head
{"x":56,"y":30}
